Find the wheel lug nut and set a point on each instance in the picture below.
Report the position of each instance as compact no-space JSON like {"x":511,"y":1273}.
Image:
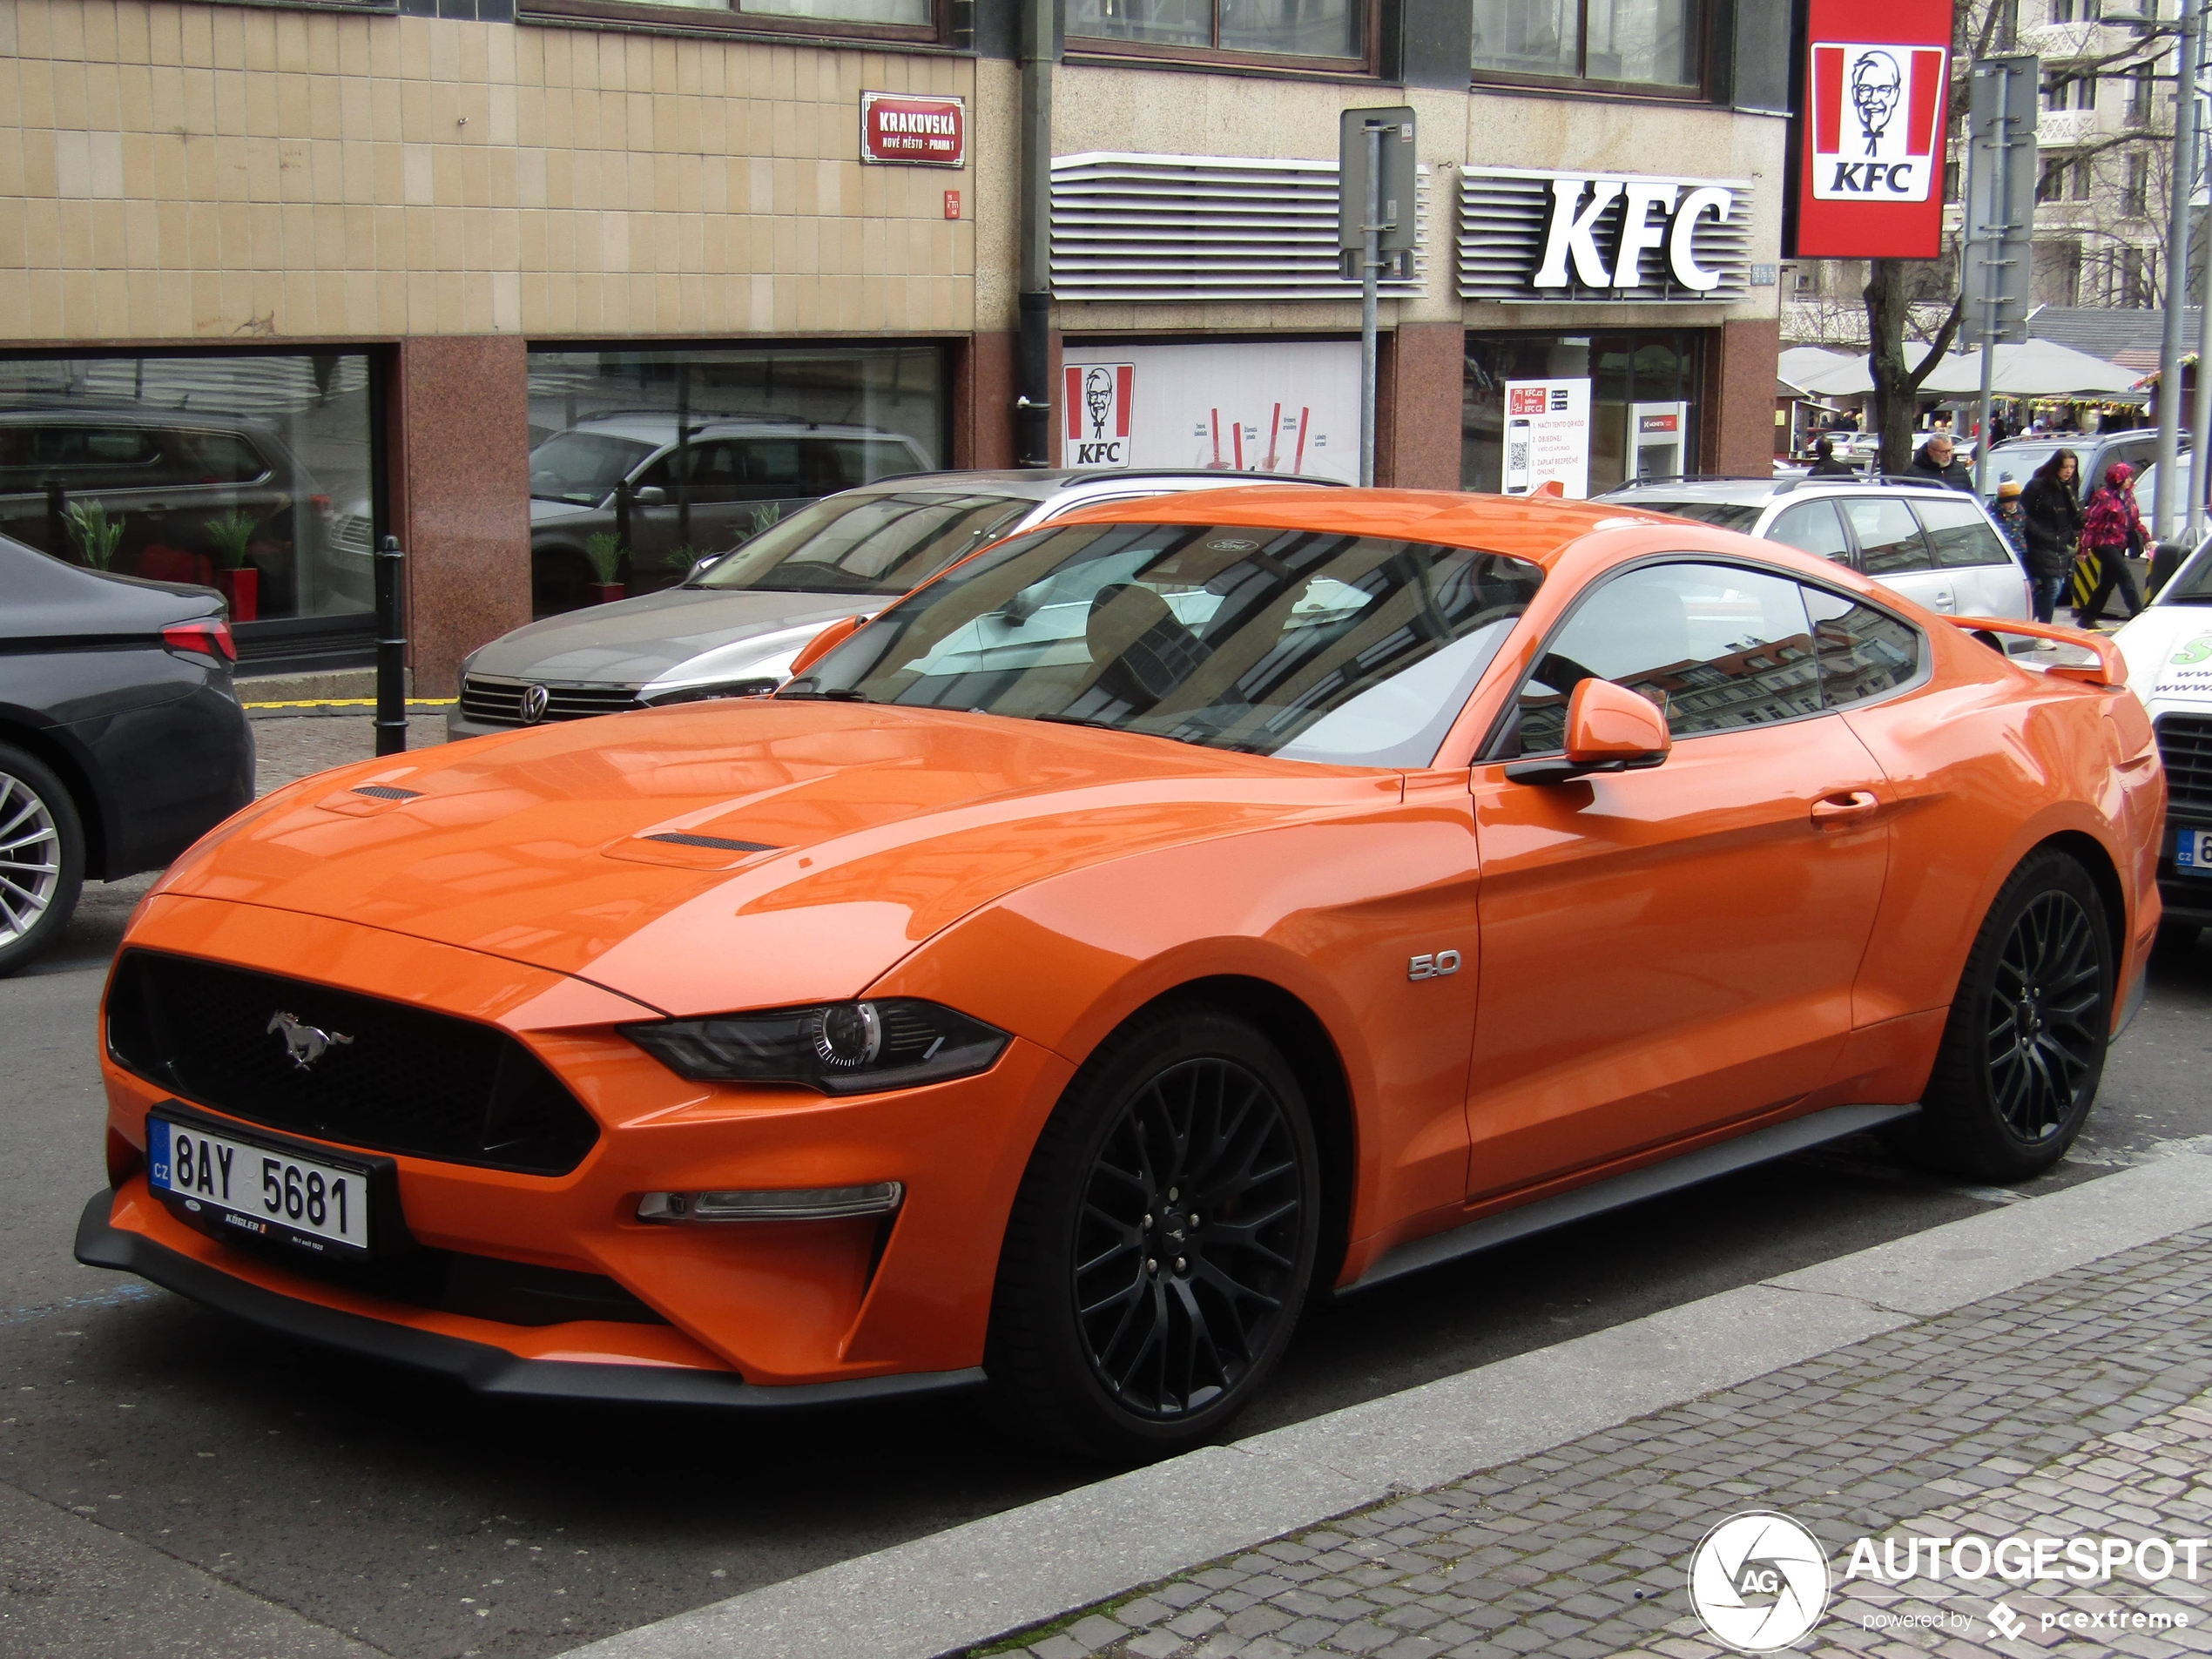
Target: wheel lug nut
{"x":1148,"y":1221}
{"x":1152,"y":1266}
{"x":1194,"y":1218}
{"x":1170,"y":1194}
{"x":1180,"y":1264}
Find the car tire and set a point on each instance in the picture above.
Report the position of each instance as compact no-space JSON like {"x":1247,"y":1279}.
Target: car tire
{"x":42,"y":858}
{"x":2024,"y":1047}
{"x":1120,"y":1328}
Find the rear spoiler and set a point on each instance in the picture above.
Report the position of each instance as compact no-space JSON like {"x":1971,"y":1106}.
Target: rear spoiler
{"x":2109,"y":669}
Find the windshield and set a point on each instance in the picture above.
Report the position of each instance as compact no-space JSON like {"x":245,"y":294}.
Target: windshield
{"x":879,"y":541}
{"x":1348,"y":650}
{"x":582,"y":467}
{"x":1728,"y":515}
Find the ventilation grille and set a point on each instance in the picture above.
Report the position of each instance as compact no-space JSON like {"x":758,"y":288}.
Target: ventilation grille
{"x":388,"y":791}
{"x":493,"y":702}
{"x":717,"y":843}
{"x":2185,"y":744}
{"x":1139,"y":227}
{"x":1503,"y":212}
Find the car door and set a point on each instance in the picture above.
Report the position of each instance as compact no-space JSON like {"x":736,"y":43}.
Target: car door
{"x":1891,"y":550}
{"x":1987,"y":578}
{"x":1670,"y":949}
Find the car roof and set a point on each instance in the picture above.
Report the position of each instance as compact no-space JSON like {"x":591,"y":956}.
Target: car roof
{"x":1045,"y":483}
{"x":647,"y":426}
{"x":79,"y":412}
{"x":1753,"y":490}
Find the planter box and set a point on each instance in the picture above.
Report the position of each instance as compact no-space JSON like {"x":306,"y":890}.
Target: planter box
{"x":604,"y":592}
{"x":242,"y":587}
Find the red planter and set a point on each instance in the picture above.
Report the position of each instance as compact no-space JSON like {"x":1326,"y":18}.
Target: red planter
{"x":604,"y":592}
{"x":242,"y":587}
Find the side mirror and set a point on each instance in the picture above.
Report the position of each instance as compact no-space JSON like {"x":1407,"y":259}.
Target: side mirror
{"x":824,"y":642}
{"x":648,"y":496}
{"x":1610,"y":728}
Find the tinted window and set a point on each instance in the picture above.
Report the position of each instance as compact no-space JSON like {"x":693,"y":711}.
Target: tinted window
{"x":1728,"y":515}
{"x":1312,"y":646}
{"x":882,"y":542}
{"x":862,"y":461}
{"x":1715,"y":646}
{"x":1888,"y":537}
{"x":67,"y":450}
{"x":582,"y":467}
{"x":770,"y":469}
{"x":1960,"y":534}
{"x":1864,"y":651}
{"x":216,"y":458}
{"x":1812,"y":527}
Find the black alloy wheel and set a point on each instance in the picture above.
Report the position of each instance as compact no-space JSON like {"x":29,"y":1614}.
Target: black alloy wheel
{"x":2023,"y":1048}
{"x":1162,"y":1242}
{"x":1192,"y":1218}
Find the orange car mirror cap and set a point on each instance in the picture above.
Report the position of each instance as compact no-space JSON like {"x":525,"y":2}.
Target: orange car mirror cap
{"x":824,"y":642}
{"x":1607,"y":723}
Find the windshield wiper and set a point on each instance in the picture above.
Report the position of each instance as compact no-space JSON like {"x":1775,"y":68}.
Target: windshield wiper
{"x":832,"y":694}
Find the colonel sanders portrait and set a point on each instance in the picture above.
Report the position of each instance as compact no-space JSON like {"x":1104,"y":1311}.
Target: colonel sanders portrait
{"x":1098,"y":396}
{"x":1875,"y":82}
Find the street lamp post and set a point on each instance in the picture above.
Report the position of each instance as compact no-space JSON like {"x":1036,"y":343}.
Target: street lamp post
{"x":2186,"y":48}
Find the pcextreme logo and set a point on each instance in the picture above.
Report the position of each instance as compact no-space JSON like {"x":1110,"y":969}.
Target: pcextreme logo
{"x":1758,"y":1581}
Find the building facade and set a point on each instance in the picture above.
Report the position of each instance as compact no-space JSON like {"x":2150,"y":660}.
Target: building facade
{"x":278,"y":278}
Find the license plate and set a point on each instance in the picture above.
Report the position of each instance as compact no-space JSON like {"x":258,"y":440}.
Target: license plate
{"x":2193,"y":851}
{"x":260,"y":1191}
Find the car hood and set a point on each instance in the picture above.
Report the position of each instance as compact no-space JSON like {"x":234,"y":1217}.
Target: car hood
{"x":659,"y":636}
{"x":616,"y":849}
{"x":2169,"y":650}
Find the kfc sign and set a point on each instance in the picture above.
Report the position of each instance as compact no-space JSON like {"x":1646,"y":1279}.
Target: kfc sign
{"x":1869,"y":182}
{"x":1654,"y":215}
{"x":923,"y":131}
{"x":1098,"y":401}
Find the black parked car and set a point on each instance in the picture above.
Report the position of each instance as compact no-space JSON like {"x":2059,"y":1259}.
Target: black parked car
{"x":121,"y":738}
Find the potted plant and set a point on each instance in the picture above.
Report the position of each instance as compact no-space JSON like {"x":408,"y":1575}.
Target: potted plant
{"x":241,"y":581}
{"x":604,"y":548}
{"x":93,"y":533}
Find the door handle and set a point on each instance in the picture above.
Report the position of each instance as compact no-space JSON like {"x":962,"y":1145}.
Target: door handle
{"x":1946,"y":599}
{"x":1845,"y":807}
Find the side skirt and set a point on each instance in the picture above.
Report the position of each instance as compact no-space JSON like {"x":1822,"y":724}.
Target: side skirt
{"x":1760,"y":1146}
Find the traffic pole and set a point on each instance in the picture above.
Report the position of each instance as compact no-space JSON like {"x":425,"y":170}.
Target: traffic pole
{"x":391,"y":649}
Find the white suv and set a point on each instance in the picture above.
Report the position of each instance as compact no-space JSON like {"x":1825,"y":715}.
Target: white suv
{"x":1936,"y":546}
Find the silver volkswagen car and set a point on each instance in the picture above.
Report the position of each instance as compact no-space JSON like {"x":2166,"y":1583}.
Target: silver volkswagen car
{"x":733,"y":626}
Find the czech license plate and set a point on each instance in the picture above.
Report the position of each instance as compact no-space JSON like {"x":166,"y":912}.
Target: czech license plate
{"x":261,"y":1191}
{"x":2193,"y":851}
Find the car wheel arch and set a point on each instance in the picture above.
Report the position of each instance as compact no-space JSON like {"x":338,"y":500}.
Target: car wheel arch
{"x":2097,"y":862}
{"x":43,"y":744}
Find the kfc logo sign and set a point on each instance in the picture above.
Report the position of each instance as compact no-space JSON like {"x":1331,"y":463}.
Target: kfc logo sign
{"x":1097,"y":402}
{"x":1643,"y":215}
{"x":1876,"y":114}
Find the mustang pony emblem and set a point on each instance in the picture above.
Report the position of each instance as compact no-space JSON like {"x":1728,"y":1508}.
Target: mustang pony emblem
{"x":304,"y":1043}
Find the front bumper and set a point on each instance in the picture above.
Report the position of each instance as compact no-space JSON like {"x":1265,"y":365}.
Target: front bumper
{"x":485,"y":1368}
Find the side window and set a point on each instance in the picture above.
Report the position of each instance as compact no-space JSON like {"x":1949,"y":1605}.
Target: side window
{"x":1888,"y":537}
{"x":772,"y":469}
{"x":862,"y":461}
{"x":1716,"y":645}
{"x":1864,"y":653}
{"x":1812,"y":527}
{"x":1960,"y":534}
{"x":221,"y":458}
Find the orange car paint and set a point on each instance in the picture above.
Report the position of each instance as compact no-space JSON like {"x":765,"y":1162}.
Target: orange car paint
{"x":1772,"y":921}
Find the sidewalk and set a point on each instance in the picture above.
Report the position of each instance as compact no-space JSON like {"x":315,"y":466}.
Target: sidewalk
{"x":2074,"y":1406}
{"x":2044,"y":1369}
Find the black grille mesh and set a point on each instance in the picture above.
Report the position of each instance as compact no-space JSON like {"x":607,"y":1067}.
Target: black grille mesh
{"x":490,"y":702}
{"x":410,"y":1081}
{"x":2185,"y":744}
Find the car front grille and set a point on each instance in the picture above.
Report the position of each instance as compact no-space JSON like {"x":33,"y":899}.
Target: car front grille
{"x":353,"y":533}
{"x":385,"y":1076}
{"x":498,"y":702}
{"x":2185,"y":744}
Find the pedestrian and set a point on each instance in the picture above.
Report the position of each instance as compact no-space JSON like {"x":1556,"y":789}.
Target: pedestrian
{"x":1826,"y":463}
{"x":2051,"y":516}
{"x":2009,"y":517}
{"x":2113,"y":531}
{"x":1939,"y":461}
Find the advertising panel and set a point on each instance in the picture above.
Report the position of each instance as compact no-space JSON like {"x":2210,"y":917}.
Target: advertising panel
{"x":1871,"y":129}
{"x":1289,"y":407}
{"x":1547,"y":436}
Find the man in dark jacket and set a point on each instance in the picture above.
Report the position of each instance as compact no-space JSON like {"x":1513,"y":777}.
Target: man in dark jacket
{"x":2051,"y":515}
{"x":1827,"y":464}
{"x":1938,"y":459}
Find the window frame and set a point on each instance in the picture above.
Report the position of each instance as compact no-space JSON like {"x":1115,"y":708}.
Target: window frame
{"x":1506,"y":722}
{"x":1103,"y":48}
{"x":729,"y":20}
{"x":1699,"y":90}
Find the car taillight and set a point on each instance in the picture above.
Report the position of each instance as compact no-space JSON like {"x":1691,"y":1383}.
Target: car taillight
{"x":210,"y":638}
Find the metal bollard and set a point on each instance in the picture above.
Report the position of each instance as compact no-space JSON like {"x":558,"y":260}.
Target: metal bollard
{"x":391,"y":649}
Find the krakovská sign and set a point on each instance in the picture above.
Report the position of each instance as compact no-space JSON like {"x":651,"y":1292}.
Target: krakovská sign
{"x":1870,"y":132}
{"x":1532,"y":237}
{"x":907,"y":128}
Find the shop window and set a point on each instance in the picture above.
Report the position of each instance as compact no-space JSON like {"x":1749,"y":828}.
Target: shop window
{"x":657,"y":458}
{"x":1643,"y":401}
{"x":253,"y":473}
{"x":1644,"y":44}
{"x":1291,"y":31}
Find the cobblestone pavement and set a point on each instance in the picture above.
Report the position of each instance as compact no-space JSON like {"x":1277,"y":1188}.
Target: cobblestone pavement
{"x":289,"y":748}
{"x":2076,"y":1406}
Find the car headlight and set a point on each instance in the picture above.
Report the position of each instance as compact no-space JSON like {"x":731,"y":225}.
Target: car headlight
{"x":840,"y":1047}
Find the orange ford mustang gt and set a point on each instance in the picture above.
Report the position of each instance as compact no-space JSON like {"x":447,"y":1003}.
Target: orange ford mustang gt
{"x":1159,"y":915}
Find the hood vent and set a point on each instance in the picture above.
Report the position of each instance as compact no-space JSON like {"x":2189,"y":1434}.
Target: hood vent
{"x":717,"y":843}
{"x":388,"y":791}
